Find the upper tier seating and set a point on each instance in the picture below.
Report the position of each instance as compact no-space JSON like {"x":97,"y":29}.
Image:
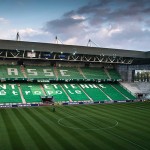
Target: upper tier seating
{"x":52,"y":73}
{"x":114,"y":74}
{"x":40,"y":72}
{"x":11,"y":71}
{"x":94,"y":73}
{"x":68,"y":73}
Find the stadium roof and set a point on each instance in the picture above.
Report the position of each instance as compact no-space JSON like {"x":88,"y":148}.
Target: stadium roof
{"x":49,"y":47}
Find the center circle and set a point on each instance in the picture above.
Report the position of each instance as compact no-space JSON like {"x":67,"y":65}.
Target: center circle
{"x":88,"y":122}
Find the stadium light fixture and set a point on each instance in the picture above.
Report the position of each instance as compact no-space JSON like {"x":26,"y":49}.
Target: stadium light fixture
{"x":90,"y":43}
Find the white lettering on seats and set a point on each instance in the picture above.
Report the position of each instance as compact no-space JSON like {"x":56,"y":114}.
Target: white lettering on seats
{"x":65,"y":86}
{"x":63,"y":72}
{"x":84,"y":86}
{"x":3,"y":86}
{"x":70,"y":92}
{"x":55,"y":86}
{"x":92,"y":86}
{"x":37,"y":92}
{"x":27,"y":92}
{"x":48,"y":72}
{"x":50,"y":92}
{"x":2,"y":92}
{"x":58,"y":92}
{"x":78,"y":92}
{"x":15,"y":93}
{"x":73,"y":86}
{"x":12,"y":86}
{"x":101,"y":85}
{"x":32,"y":72}
{"x":46,"y":86}
{"x":12,"y":71}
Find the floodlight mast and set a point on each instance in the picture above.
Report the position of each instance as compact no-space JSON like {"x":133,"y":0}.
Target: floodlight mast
{"x":18,"y":37}
{"x":90,"y":43}
{"x":58,"y":40}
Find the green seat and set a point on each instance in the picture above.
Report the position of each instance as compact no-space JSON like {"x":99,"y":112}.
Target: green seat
{"x":112,"y":92}
{"x":32,"y":92}
{"x":40,"y":72}
{"x":9,"y":93}
{"x":124,"y":91}
{"x":114,"y":74}
{"x":56,"y":91}
{"x":94,"y":92}
{"x":94,"y":73}
{"x":75,"y":92}
{"x":11,"y":71}
{"x":69,"y":73}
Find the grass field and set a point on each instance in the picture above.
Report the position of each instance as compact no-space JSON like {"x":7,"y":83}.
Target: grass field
{"x":83,"y":127}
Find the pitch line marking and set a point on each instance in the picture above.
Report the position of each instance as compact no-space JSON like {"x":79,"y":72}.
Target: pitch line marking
{"x":100,"y":128}
{"x":143,"y":107}
{"x":128,"y":141}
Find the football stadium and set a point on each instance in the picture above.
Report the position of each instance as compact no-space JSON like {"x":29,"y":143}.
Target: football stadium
{"x":68,"y":97}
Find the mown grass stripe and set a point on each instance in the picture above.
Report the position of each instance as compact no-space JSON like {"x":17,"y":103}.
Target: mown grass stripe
{"x":101,"y":134}
{"x":135,"y":137}
{"x":122,"y":133}
{"x":36,"y":137}
{"x":5,"y":143}
{"x":15,"y":140}
{"x":50,"y":130}
{"x":121,"y":116}
{"x":84,"y":136}
{"x":70,"y":136}
{"x":24,"y":136}
{"x":118,"y":114}
{"x":91,"y":140}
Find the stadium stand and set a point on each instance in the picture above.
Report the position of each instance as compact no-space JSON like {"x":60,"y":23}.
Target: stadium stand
{"x":123,"y":91}
{"x":9,"y":93}
{"x":94,"y":73}
{"x":94,"y":92}
{"x":11,"y":71}
{"x":71,"y":74}
{"x":113,"y":93}
{"x":57,"y":92}
{"x":75,"y":92}
{"x":31,"y":92}
{"x":114,"y":74}
{"x":68,"y":92}
{"x":40,"y":72}
{"x":68,"y":73}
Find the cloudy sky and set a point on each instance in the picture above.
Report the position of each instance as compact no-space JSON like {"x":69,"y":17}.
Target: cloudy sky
{"x":121,"y":24}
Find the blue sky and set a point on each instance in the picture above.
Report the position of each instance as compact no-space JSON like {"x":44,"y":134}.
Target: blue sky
{"x":123,"y":24}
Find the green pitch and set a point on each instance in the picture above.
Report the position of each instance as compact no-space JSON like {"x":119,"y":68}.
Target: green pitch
{"x":87,"y":127}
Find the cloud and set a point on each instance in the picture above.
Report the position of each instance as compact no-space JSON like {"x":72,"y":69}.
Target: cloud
{"x":28,"y":34}
{"x":69,"y":26}
{"x":3,"y":21}
{"x":118,"y":24}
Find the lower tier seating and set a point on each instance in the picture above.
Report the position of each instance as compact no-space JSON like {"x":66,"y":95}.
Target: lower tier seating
{"x":68,"y":92}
